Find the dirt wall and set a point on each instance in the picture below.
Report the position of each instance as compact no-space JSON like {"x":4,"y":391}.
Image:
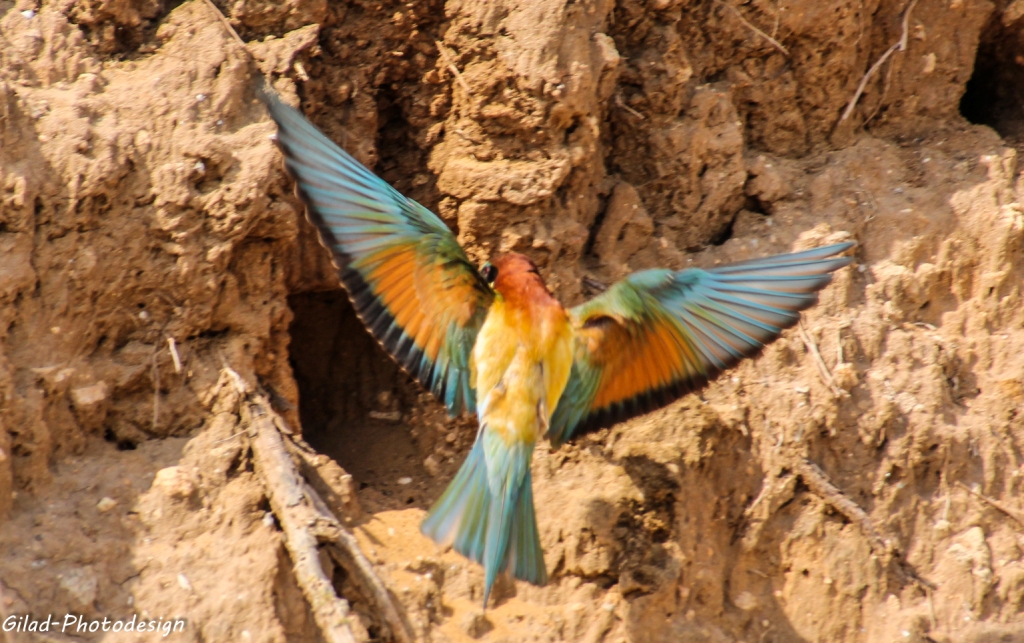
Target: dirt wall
{"x":149,"y":238}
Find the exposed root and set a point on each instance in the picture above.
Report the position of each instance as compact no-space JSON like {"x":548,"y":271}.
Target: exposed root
{"x":899,"y":45}
{"x":826,"y":375}
{"x":774,"y":43}
{"x":308,"y":524}
{"x":227,"y":25}
{"x":621,"y":103}
{"x":995,"y":504}
{"x":820,"y":485}
{"x":155,"y":374}
{"x":172,"y":348}
{"x":450,"y":64}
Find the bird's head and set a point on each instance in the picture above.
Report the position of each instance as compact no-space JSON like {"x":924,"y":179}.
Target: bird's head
{"x":512,"y":272}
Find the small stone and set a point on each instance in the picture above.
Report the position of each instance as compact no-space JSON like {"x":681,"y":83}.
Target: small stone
{"x":81,"y":585}
{"x":28,"y":14}
{"x":184,"y":582}
{"x":174,"y":482}
{"x":745,"y":601}
{"x":476,"y":624}
{"x":405,"y":480}
{"x":88,"y":396}
{"x":845,"y":376}
{"x":432,"y":466}
{"x":105,"y":504}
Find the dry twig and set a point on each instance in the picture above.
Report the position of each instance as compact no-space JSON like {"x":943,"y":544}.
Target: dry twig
{"x":995,"y":504}
{"x":899,"y":45}
{"x":175,"y":357}
{"x":308,"y":523}
{"x":344,"y":549}
{"x":826,"y":375}
{"x":819,"y":484}
{"x":775,"y":43}
{"x":621,"y":103}
{"x":227,"y":25}
{"x":450,"y":63}
{"x":287,"y":500}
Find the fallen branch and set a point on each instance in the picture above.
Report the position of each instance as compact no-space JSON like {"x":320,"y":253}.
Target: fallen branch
{"x":450,"y":63}
{"x":995,"y":504}
{"x":287,"y":500}
{"x":899,"y":45}
{"x":308,"y":523}
{"x":344,"y":549}
{"x":820,"y":485}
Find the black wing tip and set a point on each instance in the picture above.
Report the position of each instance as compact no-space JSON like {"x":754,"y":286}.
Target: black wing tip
{"x":638,"y":405}
{"x":376,"y":318}
{"x":659,"y":398}
{"x":380,"y":323}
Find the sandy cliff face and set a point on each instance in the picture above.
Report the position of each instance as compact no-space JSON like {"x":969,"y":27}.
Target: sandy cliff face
{"x":148,"y":237}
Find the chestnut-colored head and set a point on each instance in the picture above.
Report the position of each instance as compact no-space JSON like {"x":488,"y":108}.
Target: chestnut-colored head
{"x":515,"y":276}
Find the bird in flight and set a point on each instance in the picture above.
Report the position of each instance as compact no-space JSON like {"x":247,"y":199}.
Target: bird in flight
{"x":495,"y":342}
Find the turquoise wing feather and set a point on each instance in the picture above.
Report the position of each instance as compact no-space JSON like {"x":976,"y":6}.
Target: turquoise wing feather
{"x":408,"y":278}
{"x":658,"y":334}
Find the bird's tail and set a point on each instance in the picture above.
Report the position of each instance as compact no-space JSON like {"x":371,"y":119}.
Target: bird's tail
{"x":499,"y":533}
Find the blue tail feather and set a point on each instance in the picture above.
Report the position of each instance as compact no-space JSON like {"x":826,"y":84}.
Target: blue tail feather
{"x":500,"y":536}
{"x":525,"y":557}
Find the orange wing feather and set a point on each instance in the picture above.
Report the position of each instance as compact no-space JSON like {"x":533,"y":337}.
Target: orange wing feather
{"x":659,"y":334}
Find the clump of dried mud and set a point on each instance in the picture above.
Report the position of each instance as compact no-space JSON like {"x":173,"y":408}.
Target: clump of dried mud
{"x":148,"y":237}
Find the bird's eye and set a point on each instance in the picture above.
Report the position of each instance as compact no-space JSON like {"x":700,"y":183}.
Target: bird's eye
{"x":489,"y":272}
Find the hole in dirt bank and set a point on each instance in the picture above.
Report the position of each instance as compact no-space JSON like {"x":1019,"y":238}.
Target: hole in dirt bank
{"x":995,"y":93}
{"x":355,"y":402}
{"x":725,"y":234}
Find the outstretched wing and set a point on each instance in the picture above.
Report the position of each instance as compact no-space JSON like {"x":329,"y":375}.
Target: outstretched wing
{"x":658,"y":334}
{"x":408,"y":278}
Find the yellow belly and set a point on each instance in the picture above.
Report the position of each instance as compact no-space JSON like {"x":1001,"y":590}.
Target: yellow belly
{"x":521,"y":363}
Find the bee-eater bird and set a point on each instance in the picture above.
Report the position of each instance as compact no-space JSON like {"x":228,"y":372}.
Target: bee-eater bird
{"x":497,"y":343}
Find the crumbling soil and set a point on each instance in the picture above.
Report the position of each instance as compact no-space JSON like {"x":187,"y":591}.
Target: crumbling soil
{"x":149,"y":237}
